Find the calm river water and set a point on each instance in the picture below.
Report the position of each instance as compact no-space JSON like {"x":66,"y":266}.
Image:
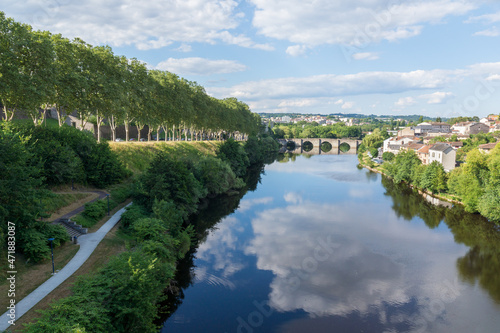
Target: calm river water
{"x":322,"y":246}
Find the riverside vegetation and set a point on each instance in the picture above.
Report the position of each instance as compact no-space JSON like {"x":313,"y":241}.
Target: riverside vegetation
{"x":122,"y":296}
{"x":41,"y":71}
{"x":475,"y":183}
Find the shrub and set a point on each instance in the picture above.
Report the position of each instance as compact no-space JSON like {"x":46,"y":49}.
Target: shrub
{"x":215,"y":175}
{"x":388,"y":156}
{"x":132,"y":213}
{"x":232,"y":152}
{"x":169,"y":179}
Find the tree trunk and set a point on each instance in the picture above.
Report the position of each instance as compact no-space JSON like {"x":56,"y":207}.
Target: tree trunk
{"x":139,"y":128}
{"x":112,"y":125}
{"x":158,"y":134}
{"x":59,"y":116}
{"x":9,"y":114}
{"x":166,"y":132}
{"x":149,"y":133}
{"x":99,"y":119}
{"x":127,"y":135}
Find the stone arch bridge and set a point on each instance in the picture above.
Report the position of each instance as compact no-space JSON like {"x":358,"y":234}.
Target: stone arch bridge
{"x":297,"y":146}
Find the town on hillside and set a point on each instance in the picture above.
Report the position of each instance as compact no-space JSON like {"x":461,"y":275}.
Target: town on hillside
{"x":422,"y":139}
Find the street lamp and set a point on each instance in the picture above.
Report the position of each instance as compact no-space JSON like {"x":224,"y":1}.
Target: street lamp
{"x":52,"y":252}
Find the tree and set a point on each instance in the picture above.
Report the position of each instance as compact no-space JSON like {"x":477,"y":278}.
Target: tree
{"x":434,"y":178}
{"x":489,"y":204}
{"x":403,"y":165}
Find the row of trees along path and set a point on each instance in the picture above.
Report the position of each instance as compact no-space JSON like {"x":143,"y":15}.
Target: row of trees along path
{"x":42,"y":71}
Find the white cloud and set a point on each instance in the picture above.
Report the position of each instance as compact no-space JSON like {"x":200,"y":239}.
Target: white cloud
{"x":438,"y":97}
{"x":184,"y":48}
{"x":493,"y":77}
{"x":491,"y":32}
{"x":350,"y":22}
{"x":246,"y":204}
{"x":200,"y":66}
{"x":405,"y":101}
{"x":293,"y":198}
{"x":145,"y":24}
{"x":330,"y":85}
{"x":296,"y":50}
{"x":325,"y":272}
{"x":340,"y":101}
{"x":365,"y":56}
{"x":348,"y":105}
{"x":488,"y":18}
{"x":298,"y":102}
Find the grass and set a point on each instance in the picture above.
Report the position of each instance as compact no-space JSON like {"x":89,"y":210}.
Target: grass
{"x":137,"y":156}
{"x":56,"y":201}
{"x":29,"y":275}
{"x":114,"y":243}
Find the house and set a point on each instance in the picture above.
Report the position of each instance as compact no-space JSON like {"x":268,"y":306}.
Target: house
{"x":444,"y":154}
{"x":407,"y":131}
{"x":487,"y":147}
{"x":470,"y":127}
{"x":423,"y":154}
{"x":456,"y":145}
{"x":394,"y":144}
{"x":493,"y":117}
{"x":424,"y":128}
{"x":495,"y":127}
{"x":413,"y":146}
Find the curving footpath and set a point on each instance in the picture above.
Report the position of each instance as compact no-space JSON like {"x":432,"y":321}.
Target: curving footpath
{"x":88,"y":243}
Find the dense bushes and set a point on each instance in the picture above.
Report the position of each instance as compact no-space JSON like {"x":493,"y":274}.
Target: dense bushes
{"x":33,"y":158}
{"x":477,"y":182}
{"x":68,"y":155}
{"x":169,"y":179}
{"x":233,"y":153}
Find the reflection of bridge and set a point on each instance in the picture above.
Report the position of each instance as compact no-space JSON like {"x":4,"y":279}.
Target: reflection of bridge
{"x":297,"y":146}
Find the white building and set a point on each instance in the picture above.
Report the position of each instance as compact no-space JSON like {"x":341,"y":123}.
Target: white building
{"x":444,"y":154}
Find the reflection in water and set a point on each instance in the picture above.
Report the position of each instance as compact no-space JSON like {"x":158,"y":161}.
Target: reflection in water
{"x":319,"y":244}
{"x":482,"y":262}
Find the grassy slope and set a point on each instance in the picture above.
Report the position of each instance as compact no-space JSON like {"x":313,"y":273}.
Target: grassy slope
{"x":136,"y":156}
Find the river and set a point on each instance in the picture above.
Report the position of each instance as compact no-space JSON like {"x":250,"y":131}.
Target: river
{"x":322,"y":246}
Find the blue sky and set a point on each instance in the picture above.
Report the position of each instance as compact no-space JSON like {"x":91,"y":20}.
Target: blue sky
{"x":429,"y":57}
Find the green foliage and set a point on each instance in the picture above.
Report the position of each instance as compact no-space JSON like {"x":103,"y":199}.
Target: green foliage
{"x":310,"y":130}
{"x":376,"y":139}
{"x":169,"y":179}
{"x":172,"y":218}
{"x":132,"y":213}
{"x":233,"y":153}
{"x":122,"y":192}
{"x":489,"y":204}
{"x":72,"y":314}
{"x":216,"y":175}
{"x":374,"y":151}
{"x":68,"y":154}
{"x":402,"y":167}
{"x":34,"y":241}
{"x":388,"y":156}
{"x":95,"y":210}
{"x":252,"y":148}
{"x":433,"y":178}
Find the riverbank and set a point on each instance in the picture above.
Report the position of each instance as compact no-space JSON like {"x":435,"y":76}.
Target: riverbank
{"x":167,"y":192}
{"x":423,"y":192}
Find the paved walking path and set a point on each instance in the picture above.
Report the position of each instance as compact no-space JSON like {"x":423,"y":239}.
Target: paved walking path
{"x":88,"y":243}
